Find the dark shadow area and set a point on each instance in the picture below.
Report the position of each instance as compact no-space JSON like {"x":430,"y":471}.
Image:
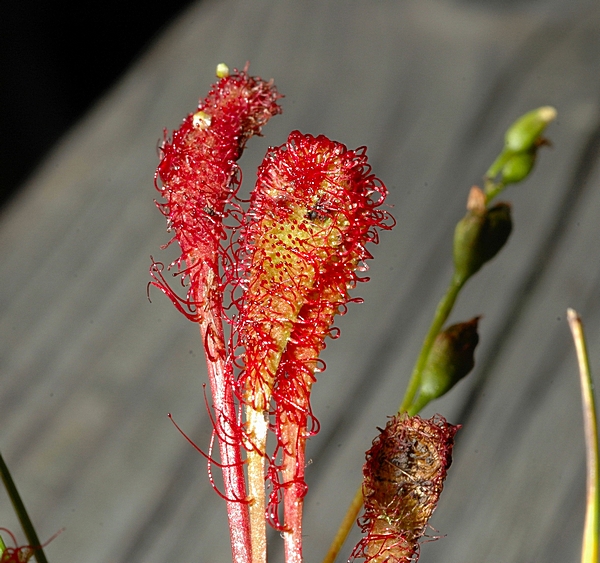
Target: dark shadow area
{"x":56,"y":59}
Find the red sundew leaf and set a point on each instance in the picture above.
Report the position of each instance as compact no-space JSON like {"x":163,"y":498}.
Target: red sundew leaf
{"x":23,"y":553}
{"x":198,"y":176}
{"x":314,"y":209}
{"x":403,"y":479}
{"x":16,"y":554}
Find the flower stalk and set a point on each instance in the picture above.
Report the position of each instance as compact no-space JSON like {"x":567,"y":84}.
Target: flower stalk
{"x":441,"y":315}
{"x":444,"y":358}
{"x":485,"y":229}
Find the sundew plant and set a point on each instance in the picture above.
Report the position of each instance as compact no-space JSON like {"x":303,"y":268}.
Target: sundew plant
{"x":276,"y":272}
{"x":264,"y":280}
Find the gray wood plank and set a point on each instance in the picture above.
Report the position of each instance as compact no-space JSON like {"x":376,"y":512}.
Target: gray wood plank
{"x":89,"y":368}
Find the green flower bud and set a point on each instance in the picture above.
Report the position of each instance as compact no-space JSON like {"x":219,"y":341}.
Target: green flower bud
{"x":479,"y":235}
{"x":521,"y":142}
{"x":450,"y":359}
{"x":518,"y":167}
{"x":524,"y":134}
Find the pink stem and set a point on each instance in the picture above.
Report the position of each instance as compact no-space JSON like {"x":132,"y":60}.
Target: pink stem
{"x":294,"y":490}
{"x":229,"y":438}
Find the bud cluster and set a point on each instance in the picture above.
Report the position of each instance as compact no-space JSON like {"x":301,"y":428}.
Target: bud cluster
{"x":521,"y":143}
{"x":447,"y":355}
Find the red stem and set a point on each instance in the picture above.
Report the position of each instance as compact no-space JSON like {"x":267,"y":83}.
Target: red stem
{"x":229,"y":437}
{"x":294,"y":490}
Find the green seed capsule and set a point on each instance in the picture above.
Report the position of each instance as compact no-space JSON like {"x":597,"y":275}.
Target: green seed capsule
{"x":478,"y":237}
{"x":451,"y":358}
{"x":518,"y":167}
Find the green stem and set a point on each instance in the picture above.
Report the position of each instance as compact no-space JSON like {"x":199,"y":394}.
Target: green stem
{"x":492,"y":189}
{"x":293,"y":492}
{"x":345,"y":527}
{"x":420,"y":403}
{"x":441,"y":315}
{"x":497,"y":165}
{"x":21,"y":512}
{"x":589,"y":552}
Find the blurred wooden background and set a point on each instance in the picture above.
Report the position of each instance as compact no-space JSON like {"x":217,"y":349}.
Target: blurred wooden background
{"x":89,"y":368}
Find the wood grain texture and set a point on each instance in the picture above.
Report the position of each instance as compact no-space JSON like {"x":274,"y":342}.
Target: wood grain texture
{"x":89,"y":368}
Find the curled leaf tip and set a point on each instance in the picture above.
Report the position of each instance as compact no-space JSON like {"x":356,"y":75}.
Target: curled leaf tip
{"x":403,"y":478}
{"x":198,"y":177}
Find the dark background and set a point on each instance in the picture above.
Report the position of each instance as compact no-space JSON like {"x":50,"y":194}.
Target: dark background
{"x":56,"y":59}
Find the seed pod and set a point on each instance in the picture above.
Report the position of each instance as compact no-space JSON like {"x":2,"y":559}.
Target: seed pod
{"x":403,"y":478}
{"x":450,"y":359}
{"x":479,"y":235}
{"x":518,"y":167}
